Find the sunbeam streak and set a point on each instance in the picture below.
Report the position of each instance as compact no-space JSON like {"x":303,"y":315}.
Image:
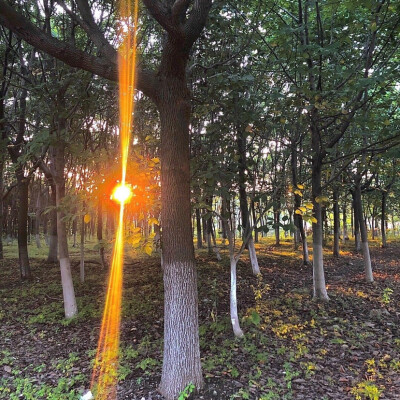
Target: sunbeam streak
{"x":105,"y":370}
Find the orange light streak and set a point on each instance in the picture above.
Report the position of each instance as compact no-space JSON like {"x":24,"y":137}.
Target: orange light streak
{"x":105,"y":370}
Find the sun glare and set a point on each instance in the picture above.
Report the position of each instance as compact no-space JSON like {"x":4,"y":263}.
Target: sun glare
{"x":105,"y":370}
{"x":122,"y":194}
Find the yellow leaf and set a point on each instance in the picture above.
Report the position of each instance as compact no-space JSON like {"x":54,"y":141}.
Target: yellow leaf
{"x":309,"y":205}
{"x":300,"y":187}
{"x":282,"y":120}
{"x":87,"y":218}
{"x":298,"y":212}
{"x":386,"y":122}
{"x":155,"y":160}
{"x":153,"y":221}
{"x":148,"y":249}
{"x":147,"y":138}
{"x":314,"y":220}
{"x":297,"y":191}
{"x":136,"y":230}
{"x":322,"y":199}
{"x":303,"y":209}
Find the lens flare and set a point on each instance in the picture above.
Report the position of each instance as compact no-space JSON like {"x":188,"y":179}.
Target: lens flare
{"x":122,"y":194}
{"x":105,"y":370}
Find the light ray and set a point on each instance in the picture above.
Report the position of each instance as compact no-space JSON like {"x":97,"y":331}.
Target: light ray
{"x":105,"y":370}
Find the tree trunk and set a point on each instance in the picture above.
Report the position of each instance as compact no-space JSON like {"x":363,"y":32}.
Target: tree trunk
{"x":23,"y":192}
{"x":1,"y":203}
{"x":100,"y":230}
{"x":181,"y":362}
{"x":241,"y":143}
{"x":53,"y":238}
{"x":357,"y":242}
{"x":82,"y":250}
{"x":336,"y":223}
{"x":70,"y":307}
{"x":383,"y":219}
{"x":253,"y":213}
{"x":363,"y":231}
{"x":38,"y":217}
{"x":233,"y":264}
{"x":320,"y":292}
{"x":344,"y":223}
{"x":198,"y":227}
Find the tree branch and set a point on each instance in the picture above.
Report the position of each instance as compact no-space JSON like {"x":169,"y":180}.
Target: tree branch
{"x":196,"y":21}
{"x":69,"y":54}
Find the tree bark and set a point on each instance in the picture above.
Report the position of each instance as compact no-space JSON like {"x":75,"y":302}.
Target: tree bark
{"x":363,"y":231}
{"x":320,"y":292}
{"x":23,"y":192}
{"x":383,"y":219}
{"x":198,"y":229}
{"x":181,"y":362}
{"x":58,"y":155}
{"x":100,"y":230}
{"x":336,"y":223}
{"x":244,"y":210}
{"x":53,"y":238}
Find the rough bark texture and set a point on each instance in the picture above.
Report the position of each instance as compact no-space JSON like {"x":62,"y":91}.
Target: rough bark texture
{"x":181,"y":363}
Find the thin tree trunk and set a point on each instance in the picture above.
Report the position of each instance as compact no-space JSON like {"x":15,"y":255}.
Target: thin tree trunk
{"x":357,"y":242}
{"x":53,"y":238}
{"x":100,"y":230}
{"x":320,"y":292}
{"x":336,"y":224}
{"x":1,"y":202}
{"x":363,"y":231}
{"x":233,"y":264}
{"x":38,"y":217}
{"x":344,"y":223}
{"x":198,"y":227}
{"x":58,"y":152}
{"x":241,"y":143}
{"x":23,"y":192}
{"x":383,"y":219}
{"x":82,"y":249}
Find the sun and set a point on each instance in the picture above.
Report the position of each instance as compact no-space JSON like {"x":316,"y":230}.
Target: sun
{"x":122,"y":193}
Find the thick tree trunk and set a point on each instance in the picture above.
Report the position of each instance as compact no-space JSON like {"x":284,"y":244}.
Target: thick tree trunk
{"x":53,"y":238}
{"x":336,"y":224}
{"x":363,"y":231}
{"x":383,"y":219}
{"x":181,"y":362}
{"x":23,"y":192}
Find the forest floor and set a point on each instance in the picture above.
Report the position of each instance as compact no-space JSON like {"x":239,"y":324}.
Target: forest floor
{"x":294,"y":348}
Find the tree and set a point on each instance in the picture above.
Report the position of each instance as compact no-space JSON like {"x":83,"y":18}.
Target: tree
{"x":182,"y":22}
